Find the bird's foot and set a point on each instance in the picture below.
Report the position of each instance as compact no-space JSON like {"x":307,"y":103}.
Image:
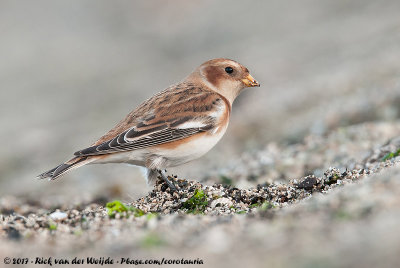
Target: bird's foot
{"x":170,"y":184}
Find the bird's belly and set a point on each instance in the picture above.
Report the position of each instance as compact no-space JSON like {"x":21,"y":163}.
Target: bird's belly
{"x":190,"y":149}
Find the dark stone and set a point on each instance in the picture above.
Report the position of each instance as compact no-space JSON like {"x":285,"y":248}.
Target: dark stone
{"x":164,"y":187}
{"x":308,"y":183}
{"x":13,"y":233}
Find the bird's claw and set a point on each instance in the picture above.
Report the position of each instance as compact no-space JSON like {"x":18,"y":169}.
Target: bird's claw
{"x":170,"y":184}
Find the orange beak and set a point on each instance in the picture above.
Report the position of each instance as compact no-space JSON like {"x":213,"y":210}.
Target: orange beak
{"x":250,"y":81}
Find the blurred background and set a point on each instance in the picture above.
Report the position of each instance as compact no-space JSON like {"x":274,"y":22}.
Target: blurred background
{"x":70,"y":70}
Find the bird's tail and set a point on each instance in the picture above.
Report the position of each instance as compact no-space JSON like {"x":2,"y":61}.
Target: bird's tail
{"x":60,"y":170}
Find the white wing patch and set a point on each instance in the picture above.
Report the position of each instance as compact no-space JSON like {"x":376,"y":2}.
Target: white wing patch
{"x":191,"y":124}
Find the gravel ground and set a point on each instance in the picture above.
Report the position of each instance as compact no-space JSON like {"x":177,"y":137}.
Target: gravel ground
{"x":347,"y":215}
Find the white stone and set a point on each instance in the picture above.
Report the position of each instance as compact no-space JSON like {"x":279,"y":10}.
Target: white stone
{"x":222,"y":201}
{"x":58,"y":216}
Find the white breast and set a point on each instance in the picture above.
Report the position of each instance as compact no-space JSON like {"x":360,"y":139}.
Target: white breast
{"x":190,"y":150}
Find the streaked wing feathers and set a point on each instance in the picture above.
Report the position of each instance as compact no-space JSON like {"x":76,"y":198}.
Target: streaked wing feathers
{"x":176,"y":113}
{"x":159,"y":135}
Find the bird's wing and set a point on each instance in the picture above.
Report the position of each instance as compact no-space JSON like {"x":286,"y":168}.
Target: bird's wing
{"x":128,"y":140}
{"x":185,"y":114}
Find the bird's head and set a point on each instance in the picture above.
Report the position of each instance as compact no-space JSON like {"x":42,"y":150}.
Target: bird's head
{"x":224,"y":76}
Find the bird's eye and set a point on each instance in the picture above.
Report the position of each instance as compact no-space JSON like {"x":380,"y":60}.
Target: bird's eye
{"x":229,"y":70}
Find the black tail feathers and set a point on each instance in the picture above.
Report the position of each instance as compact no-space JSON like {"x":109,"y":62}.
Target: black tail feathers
{"x":60,"y":170}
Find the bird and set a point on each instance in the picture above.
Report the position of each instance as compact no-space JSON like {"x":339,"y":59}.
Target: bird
{"x":173,"y":127}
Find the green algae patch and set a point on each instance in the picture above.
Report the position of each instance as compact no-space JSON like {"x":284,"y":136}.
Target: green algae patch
{"x":117,"y":207}
{"x":391,"y":155}
{"x":52,"y":226}
{"x":197,"y":203}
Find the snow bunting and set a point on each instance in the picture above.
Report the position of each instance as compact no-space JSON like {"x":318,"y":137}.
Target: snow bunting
{"x":175,"y":126}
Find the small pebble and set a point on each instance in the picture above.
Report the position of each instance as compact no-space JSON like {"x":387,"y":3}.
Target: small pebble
{"x":58,"y":216}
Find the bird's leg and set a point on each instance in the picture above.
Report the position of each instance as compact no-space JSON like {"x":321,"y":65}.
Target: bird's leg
{"x":165,"y":178}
